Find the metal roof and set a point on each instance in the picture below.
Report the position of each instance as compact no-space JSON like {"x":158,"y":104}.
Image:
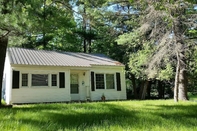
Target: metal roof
{"x":24,"y":56}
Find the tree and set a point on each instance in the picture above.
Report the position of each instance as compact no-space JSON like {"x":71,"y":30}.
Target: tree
{"x":12,"y":19}
{"x":100,"y":22}
{"x":163,"y":42}
{"x":108,"y":19}
{"x":86,"y":30}
{"x":51,"y":24}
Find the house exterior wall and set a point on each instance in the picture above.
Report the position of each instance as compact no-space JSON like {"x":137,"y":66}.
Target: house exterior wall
{"x":40,"y":95}
{"x":110,"y":94}
{"x":7,"y":80}
{"x":30,"y":94}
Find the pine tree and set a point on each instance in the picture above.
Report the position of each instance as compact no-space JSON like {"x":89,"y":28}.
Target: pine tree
{"x":163,"y":42}
{"x":12,"y":19}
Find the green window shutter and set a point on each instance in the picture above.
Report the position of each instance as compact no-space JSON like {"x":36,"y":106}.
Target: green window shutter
{"x":15,"y":79}
{"x":92,"y":81}
{"x":118,"y":81}
{"x":61,"y":80}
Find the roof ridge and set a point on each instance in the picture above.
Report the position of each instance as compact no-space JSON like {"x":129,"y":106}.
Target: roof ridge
{"x":59,"y":51}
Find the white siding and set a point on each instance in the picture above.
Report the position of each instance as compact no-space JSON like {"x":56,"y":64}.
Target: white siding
{"x":3,"y":87}
{"x":54,"y":94}
{"x":7,"y":80}
{"x":110,"y":94}
{"x":33,"y":95}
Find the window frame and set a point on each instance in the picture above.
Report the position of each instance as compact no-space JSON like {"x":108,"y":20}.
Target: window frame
{"x":113,"y":81}
{"x":51,"y":79}
{"x":30,"y":73}
{"x":48,"y":85}
{"x":99,"y":81}
{"x":105,"y":82}
{"x":74,"y":84}
{"x":27,"y":79}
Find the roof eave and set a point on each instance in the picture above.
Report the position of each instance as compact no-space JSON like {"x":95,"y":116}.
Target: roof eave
{"x":25,"y":65}
{"x":107,"y":65}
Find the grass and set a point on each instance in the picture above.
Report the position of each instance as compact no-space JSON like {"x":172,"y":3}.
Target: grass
{"x":158,"y":115}
{"x":192,"y":97}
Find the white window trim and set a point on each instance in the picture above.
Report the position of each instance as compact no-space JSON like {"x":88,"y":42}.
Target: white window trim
{"x":38,"y":87}
{"x":20,"y":80}
{"x":57,"y":74}
{"x":78,"y":84}
{"x":105,"y":88}
{"x":114,"y":81}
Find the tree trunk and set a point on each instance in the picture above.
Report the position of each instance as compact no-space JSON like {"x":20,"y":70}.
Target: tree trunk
{"x":90,"y":40}
{"x":149,"y":88}
{"x":163,"y":90}
{"x":160,"y":89}
{"x":140,"y":89}
{"x":84,"y":30}
{"x":182,"y":88}
{"x":44,"y":42}
{"x":89,"y":45}
{"x":84,"y":45}
{"x":134,"y":86}
{"x":176,"y":83}
{"x":144,"y":90}
{"x":3,"y":47}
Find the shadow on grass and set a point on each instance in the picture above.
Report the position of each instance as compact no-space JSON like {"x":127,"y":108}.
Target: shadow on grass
{"x":75,"y":116}
{"x":82,"y":116}
{"x":183,"y":114}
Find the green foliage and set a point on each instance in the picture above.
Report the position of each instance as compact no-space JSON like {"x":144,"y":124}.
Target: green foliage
{"x":50,"y":23}
{"x":130,"y":39}
{"x":12,"y":18}
{"x":123,"y":116}
{"x":192,"y":96}
{"x":192,"y":33}
{"x":139,"y":60}
{"x":167,"y":73}
{"x":192,"y":72}
{"x":191,"y":1}
{"x":156,"y":20}
{"x":3,"y":102}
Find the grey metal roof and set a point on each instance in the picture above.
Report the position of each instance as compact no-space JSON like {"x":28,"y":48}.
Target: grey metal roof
{"x":24,"y":56}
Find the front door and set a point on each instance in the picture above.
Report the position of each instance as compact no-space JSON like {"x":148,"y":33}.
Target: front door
{"x":74,"y":86}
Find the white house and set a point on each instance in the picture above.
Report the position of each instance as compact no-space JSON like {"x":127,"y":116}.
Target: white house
{"x":32,"y":76}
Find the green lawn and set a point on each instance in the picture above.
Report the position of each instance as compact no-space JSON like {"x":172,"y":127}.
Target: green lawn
{"x":158,"y":115}
{"x":192,"y":97}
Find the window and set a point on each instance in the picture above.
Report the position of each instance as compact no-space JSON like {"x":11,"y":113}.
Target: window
{"x":74,"y":86}
{"x":110,"y":81}
{"x":24,"y":79}
{"x":104,"y":81}
{"x":39,"y":79}
{"x":54,"y":80}
{"x":100,"y":83}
